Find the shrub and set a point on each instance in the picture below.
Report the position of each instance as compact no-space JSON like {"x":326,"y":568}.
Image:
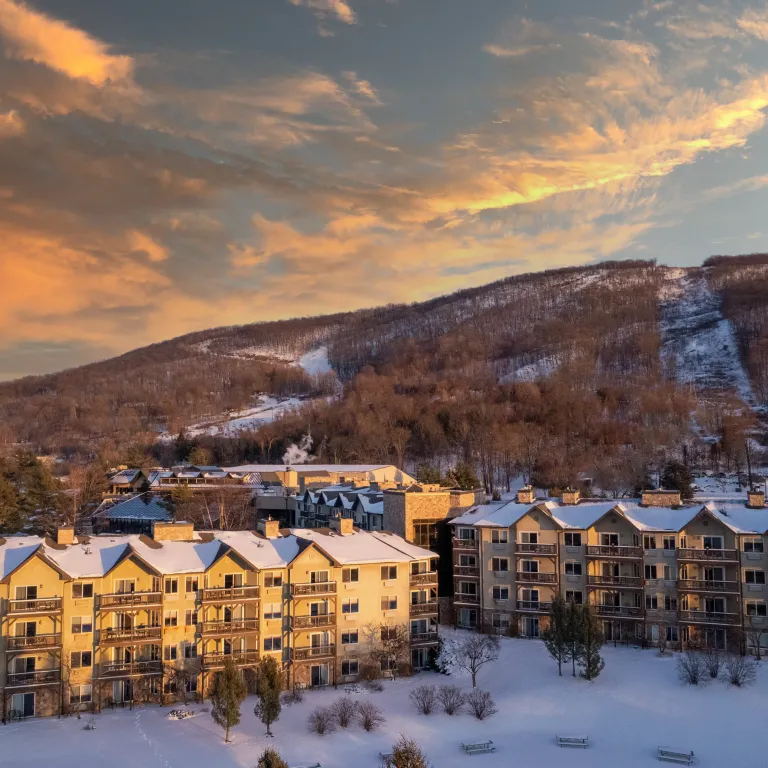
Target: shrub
{"x":740,"y":670}
{"x":368,"y":672}
{"x":713,"y":661}
{"x":481,"y":704}
{"x":451,"y":698}
{"x":321,"y":721}
{"x":691,"y":668}
{"x":369,"y":716}
{"x":344,"y":711}
{"x":294,"y":696}
{"x":423,"y":698}
{"x":270,"y":758}
{"x":406,"y":753}
{"x":374,"y":685}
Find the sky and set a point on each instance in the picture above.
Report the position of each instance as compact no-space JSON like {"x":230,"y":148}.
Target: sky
{"x":179,"y":165}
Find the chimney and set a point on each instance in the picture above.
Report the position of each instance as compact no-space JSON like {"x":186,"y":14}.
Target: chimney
{"x":756,"y":499}
{"x":343,"y":525}
{"x":65,"y":535}
{"x":661,"y":498}
{"x":269,"y":527}
{"x":525,"y":495}
{"x":173,"y":531}
{"x":570,"y":496}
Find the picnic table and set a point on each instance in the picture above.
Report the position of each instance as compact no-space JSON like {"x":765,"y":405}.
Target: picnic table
{"x":479,"y":748}
{"x":670,"y":755}
{"x":573,"y":741}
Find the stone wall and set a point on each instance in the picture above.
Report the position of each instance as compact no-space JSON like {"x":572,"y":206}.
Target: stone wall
{"x":661,"y":498}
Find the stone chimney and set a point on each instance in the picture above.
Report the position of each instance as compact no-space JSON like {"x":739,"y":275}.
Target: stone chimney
{"x":570,"y":496}
{"x":173,"y":531}
{"x":269,"y":527}
{"x":661,"y":498}
{"x":65,"y":535}
{"x":525,"y":495}
{"x":756,"y":499}
{"x":343,"y":525}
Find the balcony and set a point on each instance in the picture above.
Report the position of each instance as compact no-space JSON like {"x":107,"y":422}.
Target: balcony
{"x":709,"y":617}
{"x":240,"y":659}
{"x":114,"y":636}
{"x":466,"y":598}
{"x":536,"y":578}
{"x":230,"y":594}
{"x":116,"y":601}
{"x":535,"y":549}
{"x":661,"y":615}
{"x":618,"y":611}
{"x":423,"y":609}
{"x":708,"y":555}
{"x":28,"y":607}
{"x":35,"y":643}
{"x":310,"y":653}
{"x":310,"y":622}
{"x":310,"y":590}
{"x":424,"y":579}
{"x":38,"y":677}
{"x":472,"y":544}
{"x":611,"y":553}
{"x":533,"y":606}
{"x":229,"y":628}
{"x":704,"y":585}
{"x":127,"y":669}
{"x":423,"y":638}
{"x":625,"y":582}
{"x":466,"y":570}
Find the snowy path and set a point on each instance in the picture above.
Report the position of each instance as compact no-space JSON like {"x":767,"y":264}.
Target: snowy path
{"x":698,"y":344}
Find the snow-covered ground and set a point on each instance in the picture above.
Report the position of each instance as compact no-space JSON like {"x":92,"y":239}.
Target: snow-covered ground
{"x":635,"y":705}
{"x":229,"y":425}
{"x":315,"y":361}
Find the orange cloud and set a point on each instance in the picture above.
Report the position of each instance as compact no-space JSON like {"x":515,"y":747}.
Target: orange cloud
{"x":339,"y":8}
{"x":140,"y":241}
{"x":11,"y":124}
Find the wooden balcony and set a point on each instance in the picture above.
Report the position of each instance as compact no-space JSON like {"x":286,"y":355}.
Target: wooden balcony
{"x":240,"y":659}
{"x":424,"y":609}
{"x":709,"y":617}
{"x":533,"y":606}
{"x":660,"y":615}
{"x":424,"y":579}
{"x":466,"y":599}
{"x":50,"y":642}
{"x":535,"y":549}
{"x":311,"y":590}
{"x":46,"y":605}
{"x":117,"y":636}
{"x":312,"y":652}
{"x":471,"y":544}
{"x":623,"y":582}
{"x":708,"y":555}
{"x":466,"y":570}
{"x":136,"y":669}
{"x":230,"y":594}
{"x":310,"y":622}
{"x":618,"y":611}
{"x":423,"y":638}
{"x":536,"y":578}
{"x":230,"y":628}
{"x":118,"y":601}
{"x":614,"y":553}
{"x":38,"y":677}
{"x":703,"y":585}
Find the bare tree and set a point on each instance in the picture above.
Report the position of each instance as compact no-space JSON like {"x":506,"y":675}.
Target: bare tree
{"x":423,"y":698}
{"x":344,"y":710}
{"x":321,"y":720}
{"x":740,"y":670}
{"x":369,"y":716}
{"x":471,"y":654}
{"x":691,"y":667}
{"x":389,"y":645}
{"x":755,"y":627}
{"x":713,"y":661}
{"x":481,"y":704}
{"x":451,"y":698}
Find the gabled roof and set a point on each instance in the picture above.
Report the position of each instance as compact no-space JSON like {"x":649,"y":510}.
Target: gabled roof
{"x":143,"y":506}
{"x":499,"y":515}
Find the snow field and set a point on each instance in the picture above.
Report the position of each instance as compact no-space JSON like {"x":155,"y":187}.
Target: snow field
{"x":635,"y":705}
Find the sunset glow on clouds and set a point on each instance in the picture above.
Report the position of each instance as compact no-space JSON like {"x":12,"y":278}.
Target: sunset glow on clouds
{"x":292,"y":157}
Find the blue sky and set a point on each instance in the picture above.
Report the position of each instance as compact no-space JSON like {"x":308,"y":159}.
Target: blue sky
{"x":167,"y":167}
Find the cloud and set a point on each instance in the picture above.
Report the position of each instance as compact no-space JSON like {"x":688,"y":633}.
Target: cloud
{"x":140,"y":241}
{"x":11,"y":124}
{"x":338,"y":8}
{"x":755,"y":23}
{"x":504,"y":52}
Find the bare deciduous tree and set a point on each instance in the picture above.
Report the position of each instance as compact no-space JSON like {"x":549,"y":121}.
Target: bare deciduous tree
{"x":423,"y":698}
{"x":451,"y":698}
{"x":481,"y":704}
{"x":369,"y":716}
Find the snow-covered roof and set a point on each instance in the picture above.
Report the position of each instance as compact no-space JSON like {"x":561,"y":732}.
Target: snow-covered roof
{"x":582,"y":516}
{"x":499,"y":515}
{"x":363,"y":546}
{"x":371,"y":504}
{"x":15,"y":551}
{"x":399,"y":543}
{"x":124,"y":476}
{"x":141,"y":507}
{"x":259,"y":551}
{"x":658,"y":518}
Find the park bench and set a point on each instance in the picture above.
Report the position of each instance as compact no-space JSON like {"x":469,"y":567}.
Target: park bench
{"x":573,"y":741}
{"x":670,"y":755}
{"x":478,"y":749}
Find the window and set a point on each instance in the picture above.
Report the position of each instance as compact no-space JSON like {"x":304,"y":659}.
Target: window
{"x":501,"y":593}
{"x":171,"y":586}
{"x":191,"y":584}
{"x":530,"y":566}
{"x":318,"y":577}
{"x":80,"y":694}
{"x":190,"y":650}
{"x":466,"y":534}
{"x":668,"y":542}
{"x":190,"y":618}
{"x":273,"y":610}
{"x":273,"y":643}
{"x":572,"y":539}
{"x":425,"y":534}
{"x":752,"y":576}
{"x":672,"y":634}
{"x":609,"y":539}
{"x":651,"y":602}
{"x":499,"y":536}
{"x":670,"y":603}
{"x":573,"y":568}
{"x":500,"y":621}
{"x":755,"y":608}
{"x":125,"y":586}
{"x":349,"y":667}
{"x":191,"y":684}
{"x":650,"y":571}
{"x":669,"y":573}
{"x":713,"y":542}
{"x":81,"y":625}
{"x":467,"y":561}
{"x":649,"y":542}
{"x":527,"y":537}
{"x":349,"y":638}
{"x":171,"y":619}
{"x":273,"y":580}
{"x":349,"y":575}
{"x":753,"y":545}
{"x":389,"y":603}
{"x":500,"y":564}
{"x":170,"y":653}
{"x":350,"y":605}
{"x":388,"y":634}
{"x":388,"y":572}
{"x":575,"y":596}
{"x":80,"y":659}
{"x":26,"y":593}
{"x":233,"y":580}
{"x":82,"y":591}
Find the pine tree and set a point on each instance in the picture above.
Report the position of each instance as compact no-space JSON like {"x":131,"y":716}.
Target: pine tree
{"x":677,"y":477}
{"x":574,"y":620}
{"x":268,"y":708}
{"x":592,"y":640}
{"x":556,"y":634}
{"x":226,"y":697}
{"x":462,"y":476}
{"x":407,"y":754}
{"x":429,"y":474}
{"x":10,"y":515}
{"x":270,"y":758}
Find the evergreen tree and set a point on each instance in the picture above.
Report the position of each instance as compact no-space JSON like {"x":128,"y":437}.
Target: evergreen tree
{"x":39,"y":494}
{"x":592,"y":640}
{"x":226,"y":697}
{"x":271,"y":759}
{"x":429,"y":474}
{"x":677,"y":477}
{"x":462,"y":476}
{"x":200,"y":457}
{"x":574,"y":621}
{"x":556,"y":634}
{"x":407,"y":754}
{"x":10,"y":515}
{"x":268,"y":708}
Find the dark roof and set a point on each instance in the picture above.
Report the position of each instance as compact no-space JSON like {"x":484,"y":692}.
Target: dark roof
{"x":141,"y":507}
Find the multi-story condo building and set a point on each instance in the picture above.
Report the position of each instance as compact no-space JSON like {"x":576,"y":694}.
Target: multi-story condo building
{"x":92,"y":621}
{"x":695,"y":574}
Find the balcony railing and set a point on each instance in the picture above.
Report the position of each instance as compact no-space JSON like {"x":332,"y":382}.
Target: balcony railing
{"x":465,"y":597}
{"x":536,"y":578}
{"x":619,"y":611}
{"x":628,"y":582}
{"x":708,"y":555}
{"x":422,"y":609}
{"x":133,"y":635}
{"x":230,"y":594}
{"x":128,"y":669}
{"x":423,"y":579}
{"x":421,"y":638}
{"x":240,"y":659}
{"x":309,"y":590}
{"x":709,"y":617}
{"x":535,"y":549}
{"x":309,"y":622}
{"x":313,"y":652}
{"x":38,"y":677}
{"x":234,"y":627}
{"x":35,"y":643}
{"x":466,"y":570}
{"x":611,"y":551}
{"x":465,"y":543}
{"x":707,"y":585}
{"x":42,"y":605}
{"x":118,"y":600}
{"x":533,"y":606}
